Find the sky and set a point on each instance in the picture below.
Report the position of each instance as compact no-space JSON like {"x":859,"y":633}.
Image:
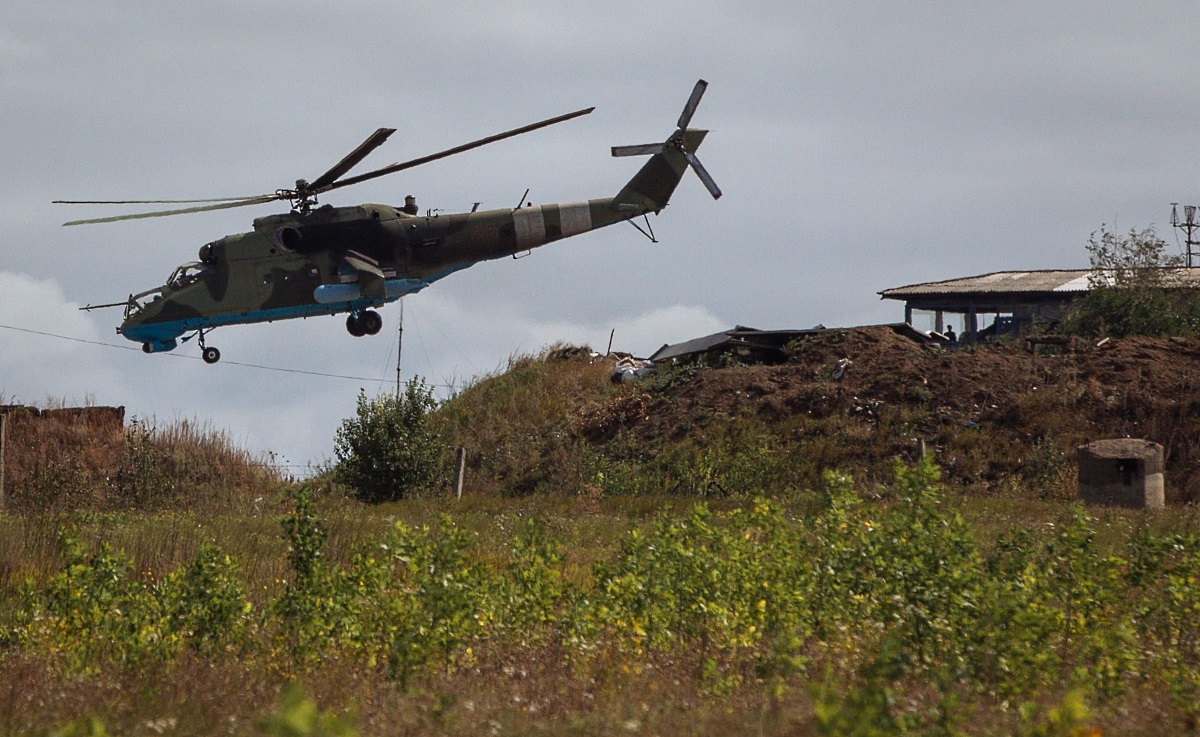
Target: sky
{"x":860,"y":146}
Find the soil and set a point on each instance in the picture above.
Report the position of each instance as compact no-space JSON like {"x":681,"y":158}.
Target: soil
{"x":991,"y":413}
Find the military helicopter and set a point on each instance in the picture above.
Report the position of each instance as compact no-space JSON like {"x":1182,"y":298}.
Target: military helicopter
{"x":325,"y":260}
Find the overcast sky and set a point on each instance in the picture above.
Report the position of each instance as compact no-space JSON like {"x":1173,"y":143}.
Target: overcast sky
{"x":861,"y":146}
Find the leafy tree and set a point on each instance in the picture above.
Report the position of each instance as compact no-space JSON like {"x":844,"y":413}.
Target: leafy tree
{"x":1136,"y":261}
{"x":1134,"y":289}
{"x":388,"y":449}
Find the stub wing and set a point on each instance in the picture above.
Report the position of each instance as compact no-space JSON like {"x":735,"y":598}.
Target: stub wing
{"x":371,"y":281}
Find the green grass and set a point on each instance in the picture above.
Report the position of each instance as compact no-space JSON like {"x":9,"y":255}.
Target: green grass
{"x":696,"y":676}
{"x":592,"y":581}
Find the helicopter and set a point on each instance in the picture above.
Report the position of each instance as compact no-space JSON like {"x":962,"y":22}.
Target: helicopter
{"x":325,"y":260}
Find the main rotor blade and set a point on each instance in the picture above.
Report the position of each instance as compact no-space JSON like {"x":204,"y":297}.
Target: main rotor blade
{"x":701,"y":172}
{"x":164,"y":213}
{"x":693,"y":101}
{"x":450,"y":151}
{"x":154,"y":202}
{"x":374,"y":141}
{"x":643,"y":149}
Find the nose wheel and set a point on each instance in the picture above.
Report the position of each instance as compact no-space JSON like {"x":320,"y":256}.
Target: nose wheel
{"x":367,"y":322}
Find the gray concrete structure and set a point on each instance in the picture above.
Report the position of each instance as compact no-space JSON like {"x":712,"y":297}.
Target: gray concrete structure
{"x":1127,"y":472}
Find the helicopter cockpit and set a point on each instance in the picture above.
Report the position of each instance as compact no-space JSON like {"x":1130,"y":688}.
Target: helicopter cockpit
{"x":183,"y":276}
{"x":189,"y":273}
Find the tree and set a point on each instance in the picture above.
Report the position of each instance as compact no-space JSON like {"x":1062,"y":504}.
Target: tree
{"x":1134,"y":289}
{"x":1138,"y":261}
{"x":388,"y":450}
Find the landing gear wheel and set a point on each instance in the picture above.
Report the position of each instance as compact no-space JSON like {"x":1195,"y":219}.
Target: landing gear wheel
{"x":354,"y":325}
{"x":371,"y":322}
{"x":210,"y":355}
{"x":146,"y":348}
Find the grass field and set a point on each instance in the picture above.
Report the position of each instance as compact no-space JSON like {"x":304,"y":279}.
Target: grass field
{"x":173,"y":584}
{"x":820,"y":614}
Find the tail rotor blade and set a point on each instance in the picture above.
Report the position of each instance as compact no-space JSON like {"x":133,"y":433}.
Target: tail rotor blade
{"x":644,"y":149}
{"x":705,"y":177}
{"x":693,"y":101}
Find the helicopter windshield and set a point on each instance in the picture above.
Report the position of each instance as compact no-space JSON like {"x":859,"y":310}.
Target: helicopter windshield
{"x":183,"y":276}
{"x":189,"y":273}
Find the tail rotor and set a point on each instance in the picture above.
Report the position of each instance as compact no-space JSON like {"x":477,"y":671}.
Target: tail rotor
{"x":679,"y":141}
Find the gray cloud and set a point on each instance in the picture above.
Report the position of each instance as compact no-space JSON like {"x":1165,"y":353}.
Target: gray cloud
{"x":860,"y":146}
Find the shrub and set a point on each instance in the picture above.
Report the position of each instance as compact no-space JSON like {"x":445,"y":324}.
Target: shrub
{"x":388,"y":450}
{"x":94,"y":611}
{"x":204,"y":602}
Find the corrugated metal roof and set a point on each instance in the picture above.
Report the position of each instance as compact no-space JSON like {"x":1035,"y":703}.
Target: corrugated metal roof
{"x":1019,"y":282}
{"x":763,"y":340}
{"x":697,"y":345}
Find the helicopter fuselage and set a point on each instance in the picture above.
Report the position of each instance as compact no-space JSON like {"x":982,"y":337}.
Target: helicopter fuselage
{"x":343,"y":260}
{"x":328,"y":260}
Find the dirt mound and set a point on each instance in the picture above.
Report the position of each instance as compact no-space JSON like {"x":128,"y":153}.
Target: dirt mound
{"x":994,"y":415}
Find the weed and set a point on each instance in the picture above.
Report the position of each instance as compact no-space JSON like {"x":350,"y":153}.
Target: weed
{"x":140,"y":479}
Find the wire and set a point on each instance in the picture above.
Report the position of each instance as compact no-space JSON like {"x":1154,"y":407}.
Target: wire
{"x":261,"y":367}
{"x":67,"y":337}
{"x":194,"y":358}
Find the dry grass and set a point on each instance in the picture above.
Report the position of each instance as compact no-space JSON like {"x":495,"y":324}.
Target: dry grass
{"x":63,"y":459}
{"x":515,"y":425}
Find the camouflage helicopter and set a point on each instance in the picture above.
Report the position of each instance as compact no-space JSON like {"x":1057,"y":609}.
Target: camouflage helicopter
{"x":325,"y":260}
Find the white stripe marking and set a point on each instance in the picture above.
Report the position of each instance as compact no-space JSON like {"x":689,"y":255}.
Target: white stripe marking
{"x":530,"y":226}
{"x":575,"y":217}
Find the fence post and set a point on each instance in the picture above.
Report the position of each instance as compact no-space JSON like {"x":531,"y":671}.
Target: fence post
{"x":3,"y":417}
{"x":460,"y":471}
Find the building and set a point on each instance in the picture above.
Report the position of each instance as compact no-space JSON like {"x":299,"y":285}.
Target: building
{"x":1018,"y":299}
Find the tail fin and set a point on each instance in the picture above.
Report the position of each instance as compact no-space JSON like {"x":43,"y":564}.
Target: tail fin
{"x":651,"y":188}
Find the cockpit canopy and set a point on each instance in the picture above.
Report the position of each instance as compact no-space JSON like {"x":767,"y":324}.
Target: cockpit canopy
{"x":183,"y":276}
{"x":189,"y":273}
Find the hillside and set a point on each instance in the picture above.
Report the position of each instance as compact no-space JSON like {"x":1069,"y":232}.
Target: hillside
{"x":998,"y":419}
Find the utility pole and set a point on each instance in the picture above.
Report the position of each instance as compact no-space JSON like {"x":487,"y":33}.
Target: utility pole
{"x":399,"y":346}
{"x":1189,"y":226}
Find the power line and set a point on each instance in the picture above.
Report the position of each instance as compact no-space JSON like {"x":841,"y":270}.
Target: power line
{"x":261,"y":367}
{"x":67,"y":337}
{"x":196,"y":358}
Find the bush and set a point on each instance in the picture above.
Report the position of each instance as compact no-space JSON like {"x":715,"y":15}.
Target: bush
{"x":389,"y":450}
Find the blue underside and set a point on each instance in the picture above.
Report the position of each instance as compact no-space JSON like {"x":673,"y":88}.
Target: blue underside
{"x":162,"y":336}
{"x":162,"y":333}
